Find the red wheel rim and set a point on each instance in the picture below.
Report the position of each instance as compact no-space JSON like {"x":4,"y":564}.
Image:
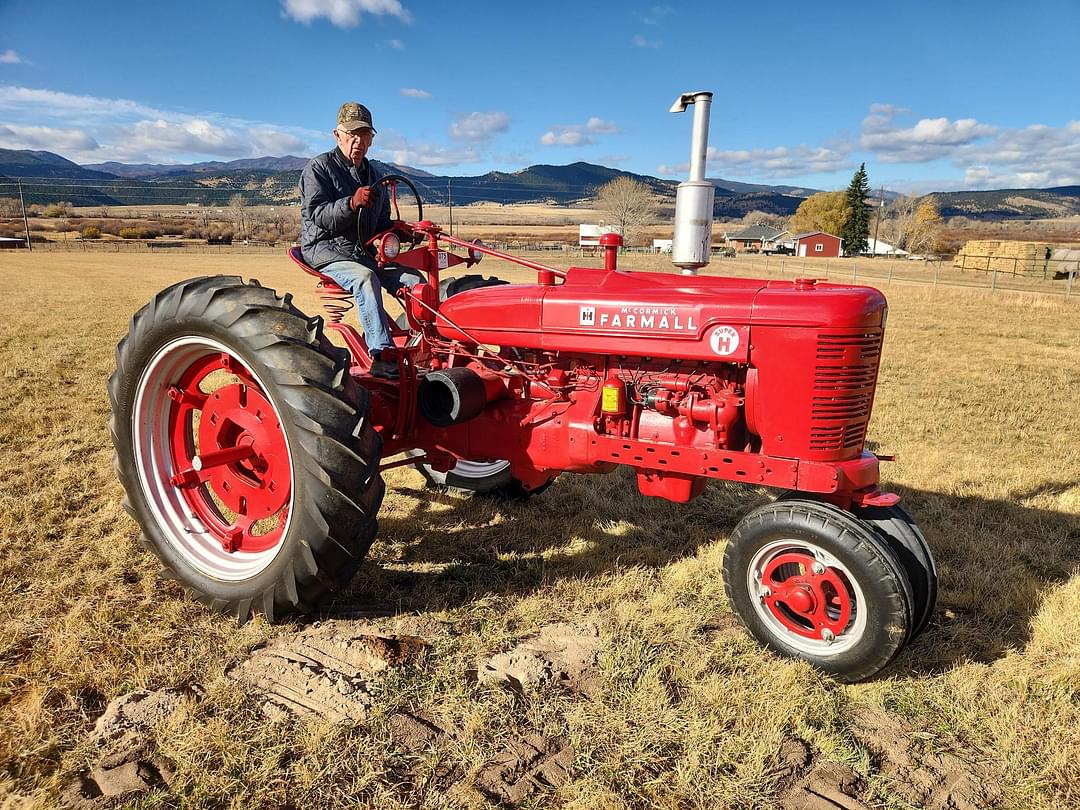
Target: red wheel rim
{"x":228,"y":454}
{"x":806,"y":597}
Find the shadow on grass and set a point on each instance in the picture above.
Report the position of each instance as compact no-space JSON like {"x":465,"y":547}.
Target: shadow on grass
{"x":996,"y":559}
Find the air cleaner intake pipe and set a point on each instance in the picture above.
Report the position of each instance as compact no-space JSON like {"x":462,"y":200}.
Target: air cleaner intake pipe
{"x":692,"y":239}
{"x":455,"y":395}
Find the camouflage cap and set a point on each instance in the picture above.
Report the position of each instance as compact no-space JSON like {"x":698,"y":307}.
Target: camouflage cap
{"x":353,"y":115}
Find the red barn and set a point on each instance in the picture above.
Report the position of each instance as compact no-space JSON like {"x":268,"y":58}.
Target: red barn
{"x":817,"y":243}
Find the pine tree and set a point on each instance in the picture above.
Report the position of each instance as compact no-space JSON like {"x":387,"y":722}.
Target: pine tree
{"x":856,"y":229}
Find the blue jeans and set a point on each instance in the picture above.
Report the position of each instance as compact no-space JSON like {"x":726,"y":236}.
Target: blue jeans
{"x":366,"y":286}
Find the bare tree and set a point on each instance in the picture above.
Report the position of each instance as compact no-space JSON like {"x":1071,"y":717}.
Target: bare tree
{"x":239,"y":205}
{"x":756,"y":217}
{"x":628,"y":204}
{"x":9,"y":207}
{"x":912,"y":224}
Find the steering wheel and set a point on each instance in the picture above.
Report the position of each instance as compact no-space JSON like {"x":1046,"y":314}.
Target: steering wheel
{"x":392,"y":180}
{"x":397,"y":224}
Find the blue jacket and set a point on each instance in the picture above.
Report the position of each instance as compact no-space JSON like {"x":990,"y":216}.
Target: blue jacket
{"x":328,"y":227}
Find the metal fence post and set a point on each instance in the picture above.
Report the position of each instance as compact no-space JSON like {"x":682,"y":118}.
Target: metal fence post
{"x":826,"y":269}
{"x":1068,"y":284}
{"x":993,"y":281}
{"x":937,"y":269}
{"x":854,"y":272}
{"x":890,"y":274}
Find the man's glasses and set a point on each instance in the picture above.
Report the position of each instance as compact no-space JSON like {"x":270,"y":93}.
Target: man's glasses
{"x":357,"y":135}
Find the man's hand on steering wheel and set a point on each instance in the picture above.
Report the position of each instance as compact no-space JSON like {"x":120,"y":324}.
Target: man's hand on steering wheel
{"x":361,"y":197}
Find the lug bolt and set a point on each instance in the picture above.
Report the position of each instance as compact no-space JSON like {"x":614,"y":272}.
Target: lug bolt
{"x":827,"y":636}
{"x":765,"y":593}
{"x":818,"y":568}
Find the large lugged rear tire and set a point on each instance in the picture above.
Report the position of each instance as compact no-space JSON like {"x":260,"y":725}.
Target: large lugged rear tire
{"x":244,"y":448}
{"x":810,"y":581}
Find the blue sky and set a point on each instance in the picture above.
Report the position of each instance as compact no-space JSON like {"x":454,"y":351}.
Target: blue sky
{"x":931,"y":95}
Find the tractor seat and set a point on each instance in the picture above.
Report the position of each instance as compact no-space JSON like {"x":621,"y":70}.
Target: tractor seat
{"x":324,"y":281}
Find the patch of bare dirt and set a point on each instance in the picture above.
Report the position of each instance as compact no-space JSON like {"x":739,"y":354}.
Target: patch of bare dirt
{"x":527,"y":766}
{"x":561,"y":654}
{"x":325,"y":671}
{"x":124,"y":736}
{"x":937,"y":781}
{"x":931,"y":781}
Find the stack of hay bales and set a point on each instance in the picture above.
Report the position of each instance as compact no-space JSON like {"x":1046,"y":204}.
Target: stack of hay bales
{"x":1004,"y":256}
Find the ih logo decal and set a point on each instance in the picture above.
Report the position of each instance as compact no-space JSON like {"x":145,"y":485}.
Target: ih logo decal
{"x":587,"y":316}
{"x":724,"y":341}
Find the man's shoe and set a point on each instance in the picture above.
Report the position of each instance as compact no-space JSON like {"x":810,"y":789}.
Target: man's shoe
{"x":384,"y":369}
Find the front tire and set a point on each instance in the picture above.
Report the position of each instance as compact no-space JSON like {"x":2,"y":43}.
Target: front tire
{"x":243,"y":447}
{"x":810,"y":581}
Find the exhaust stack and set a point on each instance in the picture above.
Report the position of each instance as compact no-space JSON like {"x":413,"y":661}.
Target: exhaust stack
{"x":694,"y":198}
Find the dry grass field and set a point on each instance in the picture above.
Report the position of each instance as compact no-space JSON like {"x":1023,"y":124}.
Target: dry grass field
{"x":674,"y":707}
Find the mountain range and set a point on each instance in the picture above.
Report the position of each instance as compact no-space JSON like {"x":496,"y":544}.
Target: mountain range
{"x":47,"y":177}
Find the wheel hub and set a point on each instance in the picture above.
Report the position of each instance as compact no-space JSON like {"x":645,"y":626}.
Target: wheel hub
{"x":236,"y":417}
{"x":806,"y":597}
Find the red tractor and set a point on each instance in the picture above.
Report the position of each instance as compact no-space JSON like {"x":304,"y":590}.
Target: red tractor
{"x":251,"y":447}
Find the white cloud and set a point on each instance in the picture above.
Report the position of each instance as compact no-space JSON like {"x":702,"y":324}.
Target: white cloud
{"x":577,"y":134}
{"x":478,"y":126}
{"x":396,"y":44}
{"x":343,"y":13}
{"x":121,"y":129}
{"x":566,"y":136}
{"x":393,"y":147}
{"x":50,"y":102}
{"x":9,"y":57}
{"x":641,"y":42}
{"x":1035,"y":156}
{"x":929,"y":139}
{"x":412,"y":92}
{"x":595,"y":124}
{"x":778,"y":162}
{"x":49,"y":139}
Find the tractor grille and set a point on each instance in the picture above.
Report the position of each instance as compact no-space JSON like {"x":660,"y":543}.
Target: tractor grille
{"x":844,"y":380}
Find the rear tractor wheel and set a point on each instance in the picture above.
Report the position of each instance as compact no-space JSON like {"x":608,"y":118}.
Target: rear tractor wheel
{"x":243,"y":447}
{"x":810,"y":581}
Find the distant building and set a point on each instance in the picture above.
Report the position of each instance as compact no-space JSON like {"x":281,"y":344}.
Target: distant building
{"x":875,"y":247}
{"x":589,"y":234}
{"x":12,"y":242}
{"x":662,"y":245}
{"x":817,"y":244}
{"x":755,"y":239}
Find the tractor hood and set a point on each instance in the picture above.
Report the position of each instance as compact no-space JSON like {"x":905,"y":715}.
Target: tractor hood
{"x":651,"y":314}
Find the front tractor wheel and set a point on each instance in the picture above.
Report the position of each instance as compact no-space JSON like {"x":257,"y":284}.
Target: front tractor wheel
{"x":244,"y":448}
{"x":810,"y":581}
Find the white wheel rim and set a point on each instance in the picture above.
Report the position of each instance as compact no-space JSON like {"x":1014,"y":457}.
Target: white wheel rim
{"x":852,"y":634}
{"x":478,"y":470}
{"x":178,"y":527}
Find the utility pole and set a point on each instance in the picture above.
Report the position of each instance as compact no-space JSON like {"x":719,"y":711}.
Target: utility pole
{"x":450,"y":205}
{"x":880,"y":211}
{"x":26,"y":222}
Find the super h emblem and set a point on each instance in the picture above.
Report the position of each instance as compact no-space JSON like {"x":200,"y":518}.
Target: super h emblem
{"x":724,"y":340}
{"x":587,"y":316}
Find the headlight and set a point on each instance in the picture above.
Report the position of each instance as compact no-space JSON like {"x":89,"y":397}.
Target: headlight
{"x":390,"y":246}
{"x":474,"y":254}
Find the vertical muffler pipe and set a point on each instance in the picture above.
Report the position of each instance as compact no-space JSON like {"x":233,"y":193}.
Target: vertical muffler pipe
{"x":692,"y":239}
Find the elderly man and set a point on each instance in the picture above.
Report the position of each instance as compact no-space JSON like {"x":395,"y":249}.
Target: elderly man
{"x":341,"y":209}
